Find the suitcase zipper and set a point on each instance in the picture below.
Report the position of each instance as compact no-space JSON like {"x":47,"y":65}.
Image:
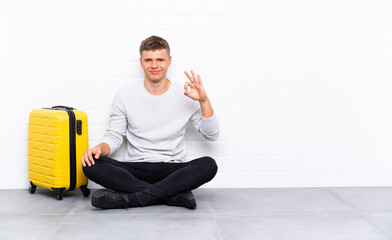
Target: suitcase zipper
{"x":72,"y":148}
{"x":72,"y":144}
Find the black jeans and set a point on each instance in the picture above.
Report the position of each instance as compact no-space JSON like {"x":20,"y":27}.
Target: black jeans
{"x":151,"y":182}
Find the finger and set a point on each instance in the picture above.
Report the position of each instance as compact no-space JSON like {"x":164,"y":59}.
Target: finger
{"x":89,"y":155}
{"x":187,"y":86}
{"x":191,"y":78}
{"x":196,"y":81}
{"x":90,"y":158}
{"x":96,"y":156}
{"x":188,"y":75}
{"x":83,"y":163}
{"x":199,"y":79}
{"x":85,"y":158}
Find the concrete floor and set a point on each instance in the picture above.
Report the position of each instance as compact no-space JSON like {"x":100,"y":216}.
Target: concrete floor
{"x":284,"y":213}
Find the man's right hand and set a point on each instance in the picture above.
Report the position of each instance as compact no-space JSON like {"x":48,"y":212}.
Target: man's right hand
{"x":88,"y":159}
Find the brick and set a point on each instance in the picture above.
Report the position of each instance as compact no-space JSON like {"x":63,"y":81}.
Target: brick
{"x":14,"y":180}
{"x":204,"y":54}
{"x":249,"y":37}
{"x":111,"y":22}
{"x":378,"y":8}
{"x":15,"y":149}
{"x":236,"y":22}
{"x":156,"y":6}
{"x":59,"y":6}
{"x":19,"y":164}
{"x":204,"y":22}
{"x":29,"y":7}
{"x":92,"y":6}
{"x":269,"y":22}
{"x":7,"y":6}
{"x":219,"y":6}
{"x":91,"y":37}
{"x":301,"y":23}
{"x":192,"y":8}
{"x":112,"y":55}
{"x":249,"y":7}
{"x":79,"y":22}
{"x":46,"y":22}
{"x":125,"y":6}
{"x":204,"y":148}
{"x":281,"y":39}
{"x":308,"y":7}
{"x":282,"y":7}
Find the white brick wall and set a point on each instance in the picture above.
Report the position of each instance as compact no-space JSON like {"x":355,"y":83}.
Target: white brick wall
{"x":302,"y":88}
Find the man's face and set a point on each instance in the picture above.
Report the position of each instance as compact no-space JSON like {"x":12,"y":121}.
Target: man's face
{"x":155,"y":64}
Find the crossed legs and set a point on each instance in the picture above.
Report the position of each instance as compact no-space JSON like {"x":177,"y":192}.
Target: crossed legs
{"x":147,"y":183}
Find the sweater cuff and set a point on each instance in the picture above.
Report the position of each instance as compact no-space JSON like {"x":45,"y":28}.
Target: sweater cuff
{"x":210,"y":119}
{"x":111,"y":144}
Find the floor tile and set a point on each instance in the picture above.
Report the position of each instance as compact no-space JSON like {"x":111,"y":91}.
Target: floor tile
{"x":271,"y":200}
{"x":366,"y":198}
{"x":84,"y":207}
{"x":123,"y":226}
{"x":382,"y":220}
{"x":274,"y":213}
{"x":43,"y":202}
{"x":24,"y":227}
{"x":347,"y":226}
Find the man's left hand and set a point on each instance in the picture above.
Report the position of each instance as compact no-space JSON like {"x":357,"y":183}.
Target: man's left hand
{"x":195,"y":87}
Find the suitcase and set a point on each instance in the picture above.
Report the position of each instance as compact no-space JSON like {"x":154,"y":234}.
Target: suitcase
{"x":58,"y":137}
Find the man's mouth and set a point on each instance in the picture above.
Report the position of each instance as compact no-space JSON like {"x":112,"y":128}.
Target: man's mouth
{"x":155,"y":72}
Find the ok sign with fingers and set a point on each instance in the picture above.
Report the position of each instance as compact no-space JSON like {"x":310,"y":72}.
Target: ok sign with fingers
{"x":194,"y":87}
{"x":195,"y":90}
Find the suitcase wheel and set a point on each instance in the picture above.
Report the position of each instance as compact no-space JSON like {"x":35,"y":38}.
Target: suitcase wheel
{"x":85,"y":190}
{"x":59,"y":193}
{"x":32,"y":188}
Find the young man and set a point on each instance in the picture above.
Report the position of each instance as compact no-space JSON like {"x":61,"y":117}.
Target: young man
{"x":153,"y":115}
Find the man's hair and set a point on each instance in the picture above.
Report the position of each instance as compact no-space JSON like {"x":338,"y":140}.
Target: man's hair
{"x":154,"y":43}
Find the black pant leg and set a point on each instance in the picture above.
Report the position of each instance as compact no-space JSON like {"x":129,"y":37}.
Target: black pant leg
{"x":114,"y":175}
{"x":184,"y":176}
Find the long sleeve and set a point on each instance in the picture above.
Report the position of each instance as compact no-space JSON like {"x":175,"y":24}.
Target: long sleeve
{"x":155,"y":126}
{"x":208,"y":127}
{"x":117,"y":125}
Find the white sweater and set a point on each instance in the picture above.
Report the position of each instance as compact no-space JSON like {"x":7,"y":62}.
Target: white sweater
{"x":155,"y":126}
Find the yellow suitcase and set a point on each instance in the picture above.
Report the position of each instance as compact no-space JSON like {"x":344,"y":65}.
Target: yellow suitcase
{"x":58,"y":137}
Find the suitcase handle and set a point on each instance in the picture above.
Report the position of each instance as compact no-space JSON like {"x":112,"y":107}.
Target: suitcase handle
{"x":60,"y":106}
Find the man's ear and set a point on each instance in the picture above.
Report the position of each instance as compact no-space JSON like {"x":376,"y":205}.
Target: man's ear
{"x":141,"y":61}
{"x":170,"y":60}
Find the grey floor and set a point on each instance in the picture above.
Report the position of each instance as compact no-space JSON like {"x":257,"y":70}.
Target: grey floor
{"x":282,"y":213}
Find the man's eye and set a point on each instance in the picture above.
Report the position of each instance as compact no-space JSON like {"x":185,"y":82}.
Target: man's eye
{"x":161,"y":60}
{"x":148,"y":60}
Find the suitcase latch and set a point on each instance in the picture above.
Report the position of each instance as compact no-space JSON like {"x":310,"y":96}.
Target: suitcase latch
{"x":79,"y":127}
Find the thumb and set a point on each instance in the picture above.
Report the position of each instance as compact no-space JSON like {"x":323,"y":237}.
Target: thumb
{"x":98,"y":154}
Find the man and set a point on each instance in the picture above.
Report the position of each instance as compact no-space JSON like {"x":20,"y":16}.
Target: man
{"x":153,"y":115}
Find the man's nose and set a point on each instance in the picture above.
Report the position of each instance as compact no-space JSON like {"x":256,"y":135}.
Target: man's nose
{"x":154,"y":64}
